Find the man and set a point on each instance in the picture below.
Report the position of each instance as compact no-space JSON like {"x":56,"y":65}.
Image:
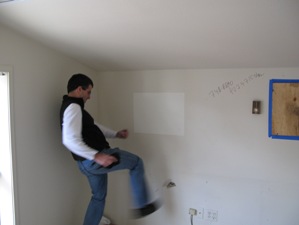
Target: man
{"x":87,"y":142}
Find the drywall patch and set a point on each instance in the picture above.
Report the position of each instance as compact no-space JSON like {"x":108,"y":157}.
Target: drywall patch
{"x":159,"y":113}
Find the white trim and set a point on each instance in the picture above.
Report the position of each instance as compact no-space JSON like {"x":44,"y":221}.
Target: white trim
{"x":13,"y":176}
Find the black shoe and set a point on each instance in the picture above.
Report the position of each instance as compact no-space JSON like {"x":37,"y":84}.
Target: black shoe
{"x":146,"y":210}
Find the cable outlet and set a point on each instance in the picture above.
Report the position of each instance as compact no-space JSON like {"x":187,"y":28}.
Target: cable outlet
{"x":192,"y":212}
{"x":200,"y":212}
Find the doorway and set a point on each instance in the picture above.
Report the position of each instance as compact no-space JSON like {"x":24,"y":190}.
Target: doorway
{"x":7,"y":207}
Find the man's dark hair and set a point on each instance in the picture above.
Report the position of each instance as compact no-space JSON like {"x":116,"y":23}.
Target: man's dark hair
{"x":78,"y":80}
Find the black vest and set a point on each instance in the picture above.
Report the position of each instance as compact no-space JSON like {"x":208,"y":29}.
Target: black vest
{"x":91,"y":133}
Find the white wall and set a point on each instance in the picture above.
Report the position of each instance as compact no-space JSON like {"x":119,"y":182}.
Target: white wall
{"x":224,"y":161}
{"x":50,"y":189}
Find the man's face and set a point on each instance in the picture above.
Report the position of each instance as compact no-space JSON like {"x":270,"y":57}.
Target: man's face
{"x":85,"y":94}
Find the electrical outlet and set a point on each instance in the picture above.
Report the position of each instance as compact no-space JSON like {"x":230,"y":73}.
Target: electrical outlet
{"x":211,"y":215}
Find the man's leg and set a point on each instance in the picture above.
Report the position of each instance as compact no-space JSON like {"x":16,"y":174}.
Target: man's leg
{"x":133,"y":163}
{"x":139,"y":189}
{"x":98,"y":185}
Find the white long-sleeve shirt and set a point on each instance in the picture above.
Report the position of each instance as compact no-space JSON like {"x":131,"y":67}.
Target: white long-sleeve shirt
{"x":71,"y":132}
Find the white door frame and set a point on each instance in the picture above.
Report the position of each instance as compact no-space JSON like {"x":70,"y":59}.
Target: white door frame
{"x":8,"y":191}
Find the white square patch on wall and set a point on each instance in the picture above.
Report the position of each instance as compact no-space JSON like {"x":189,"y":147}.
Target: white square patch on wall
{"x":159,"y":113}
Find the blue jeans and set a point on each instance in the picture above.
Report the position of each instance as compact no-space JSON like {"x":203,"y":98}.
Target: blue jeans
{"x":98,"y":175}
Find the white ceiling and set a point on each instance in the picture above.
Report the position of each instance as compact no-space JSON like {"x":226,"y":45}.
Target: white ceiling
{"x":163,"y":34}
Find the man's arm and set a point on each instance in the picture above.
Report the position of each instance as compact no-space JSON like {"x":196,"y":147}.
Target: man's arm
{"x":109,"y":133}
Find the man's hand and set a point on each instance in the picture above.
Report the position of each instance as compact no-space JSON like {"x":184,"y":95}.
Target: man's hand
{"x":104,"y":159}
{"x":122,"y":134}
